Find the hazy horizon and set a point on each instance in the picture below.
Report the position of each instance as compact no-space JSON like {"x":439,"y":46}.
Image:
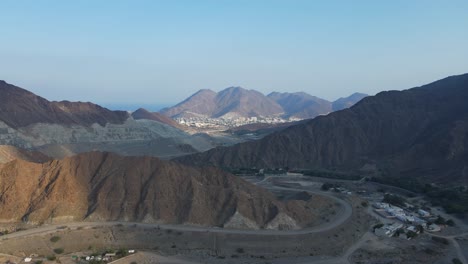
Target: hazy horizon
{"x":155,"y":52}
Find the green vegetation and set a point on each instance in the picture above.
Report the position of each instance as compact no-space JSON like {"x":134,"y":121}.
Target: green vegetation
{"x":411,"y":234}
{"x":330,"y":174}
{"x":440,"y":240}
{"x":394,"y":200}
{"x":327,"y":186}
{"x":51,"y":257}
{"x":54,"y":239}
{"x":38,"y":262}
{"x":454,"y":200}
{"x":58,"y":250}
{"x":377,"y":226}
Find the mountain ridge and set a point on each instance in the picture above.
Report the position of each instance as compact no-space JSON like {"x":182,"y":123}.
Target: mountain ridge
{"x":419,"y":131}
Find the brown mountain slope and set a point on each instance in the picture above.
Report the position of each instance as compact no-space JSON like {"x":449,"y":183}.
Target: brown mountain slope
{"x":419,"y":132}
{"x":142,"y":113}
{"x":9,"y":153}
{"x":20,"y":108}
{"x":104,"y":186}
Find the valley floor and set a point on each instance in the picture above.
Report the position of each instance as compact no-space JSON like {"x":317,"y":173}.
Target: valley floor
{"x":346,"y":238}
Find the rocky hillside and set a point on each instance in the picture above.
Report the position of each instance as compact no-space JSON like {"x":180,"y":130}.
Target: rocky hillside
{"x":419,"y":132}
{"x":9,"y":153}
{"x":202,"y":103}
{"x":301,"y":105}
{"x":103,"y":187}
{"x":142,"y":113}
{"x":347,"y":102}
{"x":60,"y":129}
{"x":20,"y":108}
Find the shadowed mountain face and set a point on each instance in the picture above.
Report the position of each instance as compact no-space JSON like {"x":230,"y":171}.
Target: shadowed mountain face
{"x":419,"y":132}
{"x":347,"y":102}
{"x":103,"y":187}
{"x":20,"y":108}
{"x":301,"y":105}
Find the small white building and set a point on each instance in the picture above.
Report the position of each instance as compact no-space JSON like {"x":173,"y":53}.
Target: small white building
{"x":423,"y":213}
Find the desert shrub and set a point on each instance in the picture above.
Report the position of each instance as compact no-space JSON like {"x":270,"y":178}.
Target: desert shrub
{"x":54,"y":239}
{"x":440,"y":240}
{"x":240,"y":250}
{"x":51,"y":257}
{"x":58,"y":250}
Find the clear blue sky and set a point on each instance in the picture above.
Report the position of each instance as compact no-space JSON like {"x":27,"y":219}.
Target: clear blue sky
{"x":162,"y":51}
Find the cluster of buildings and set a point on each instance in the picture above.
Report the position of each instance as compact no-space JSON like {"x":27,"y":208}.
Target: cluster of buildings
{"x":222,"y":123}
{"x":408,"y":221}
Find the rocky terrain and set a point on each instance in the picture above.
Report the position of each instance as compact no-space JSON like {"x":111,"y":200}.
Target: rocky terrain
{"x":21,"y":108}
{"x":420,"y":132}
{"x":9,"y":153}
{"x":61,"y":129}
{"x":142,"y":113}
{"x":301,"y":105}
{"x":101,"y":186}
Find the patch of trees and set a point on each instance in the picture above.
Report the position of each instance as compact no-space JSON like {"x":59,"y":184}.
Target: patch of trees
{"x":327,"y":186}
{"x":330,"y":174}
{"x":394,"y":200}
{"x":454,"y":200}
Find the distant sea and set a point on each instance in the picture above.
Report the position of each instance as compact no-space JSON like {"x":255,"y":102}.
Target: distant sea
{"x":133,"y":107}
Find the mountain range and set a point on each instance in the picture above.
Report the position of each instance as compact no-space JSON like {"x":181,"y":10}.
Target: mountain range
{"x":236,"y":102}
{"x":421,"y":132}
{"x":101,"y":186}
{"x":65,"y":128}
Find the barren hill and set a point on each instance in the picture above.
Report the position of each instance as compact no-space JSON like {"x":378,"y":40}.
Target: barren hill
{"x":421,"y":132}
{"x":346,"y":102}
{"x":103,"y":187}
{"x":142,"y":113}
{"x":20,"y":108}
{"x":9,"y":153}
{"x":301,"y":105}
{"x":230,"y":102}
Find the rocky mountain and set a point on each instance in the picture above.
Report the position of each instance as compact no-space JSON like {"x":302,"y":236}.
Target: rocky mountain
{"x":301,"y":105}
{"x":21,"y":108}
{"x":142,"y":113}
{"x":347,"y":102}
{"x":9,"y":153}
{"x":202,"y":103}
{"x":420,"y":132}
{"x":106,"y":187}
{"x":60,"y":129}
{"x":236,"y":102}
{"x":230,"y":102}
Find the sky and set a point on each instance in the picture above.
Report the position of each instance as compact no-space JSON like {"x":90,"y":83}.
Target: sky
{"x":160,"y":52}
